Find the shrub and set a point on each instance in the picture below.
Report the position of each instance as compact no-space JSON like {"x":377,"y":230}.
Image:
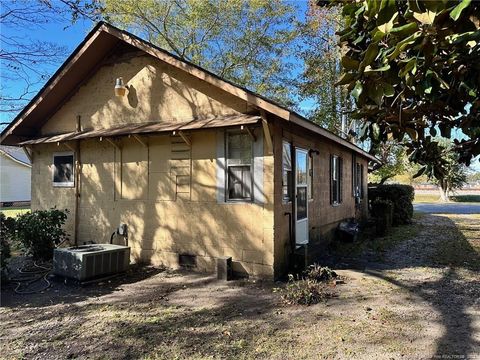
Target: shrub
{"x":311,"y":287}
{"x":305,"y":291}
{"x":383,"y":212}
{"x":319,"y":273}
{"x":401,"y":197}
{"x":7,"y":229}
{"x":40,"y":231}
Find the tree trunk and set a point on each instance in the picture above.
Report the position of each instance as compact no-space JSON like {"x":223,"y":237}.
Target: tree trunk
{"x":382,"y":181}
{"x":443,"y":191}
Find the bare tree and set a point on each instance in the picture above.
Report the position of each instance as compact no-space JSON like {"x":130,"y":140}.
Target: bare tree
{"x":25,"y":62}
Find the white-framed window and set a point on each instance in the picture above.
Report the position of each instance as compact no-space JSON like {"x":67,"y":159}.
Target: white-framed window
{"x":336,"y":179}
{"x":239,"y":167}
{"x":357,"y":177}
{"x":287,"y":171}
{"x":63,"y":174}
{"x":359,"y":180}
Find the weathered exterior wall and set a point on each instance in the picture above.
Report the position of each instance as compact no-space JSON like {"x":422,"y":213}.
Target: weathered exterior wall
{"x":166,"y":192}
{"x":44,"y":195}
{"x":157,"y":92}
{"x":323,"y":216}
{"x":169,"y":204}
{"x":14,"y":180}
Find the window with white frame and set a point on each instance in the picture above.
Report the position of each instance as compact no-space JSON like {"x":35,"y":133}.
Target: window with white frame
{"x":239,"y":167}
{"x":358,"y":180}
{"x":63,"y":169}
{"x":336,"y":179}
{"x":287,"y":171}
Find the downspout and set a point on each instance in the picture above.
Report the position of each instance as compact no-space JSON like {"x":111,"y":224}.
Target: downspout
{"x":78,"y":169}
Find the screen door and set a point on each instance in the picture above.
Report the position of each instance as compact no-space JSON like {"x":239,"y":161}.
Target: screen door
{"x":301,"y":196}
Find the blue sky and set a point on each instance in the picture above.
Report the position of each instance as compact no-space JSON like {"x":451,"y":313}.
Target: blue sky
{"x":62,"y":33}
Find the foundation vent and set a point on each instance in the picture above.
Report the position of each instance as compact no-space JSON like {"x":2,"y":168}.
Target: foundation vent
{"x":187,"y":261}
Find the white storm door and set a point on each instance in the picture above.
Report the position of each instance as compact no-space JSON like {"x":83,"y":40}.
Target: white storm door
{"x":301,"y":196}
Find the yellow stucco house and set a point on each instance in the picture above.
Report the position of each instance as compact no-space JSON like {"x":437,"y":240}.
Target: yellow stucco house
{"x":193,"y":164}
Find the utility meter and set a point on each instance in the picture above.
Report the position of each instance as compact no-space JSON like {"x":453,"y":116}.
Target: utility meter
{"x":122,"y":230}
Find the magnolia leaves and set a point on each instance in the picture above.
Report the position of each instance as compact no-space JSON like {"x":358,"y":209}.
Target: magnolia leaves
{"x":357,"y":90}
{"x":388,"y":26}
{"x":370,"y":55}
{"x":426,"y":18}
{"x":404,"y":30}
{"x":455,"y":13}
{"x":412,"y":68}
{"x":349,"y":63}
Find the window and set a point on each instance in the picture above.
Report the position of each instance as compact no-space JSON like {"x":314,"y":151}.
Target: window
{"x":239,"y":167}
{"x":358,"y":180}
{"x":287,"y":171}
{"x":63,"y":169}
{"x":354,"y":174}
{"x":301,"y":168}
{"x":336,"y":179}
{"x":361,"y":182}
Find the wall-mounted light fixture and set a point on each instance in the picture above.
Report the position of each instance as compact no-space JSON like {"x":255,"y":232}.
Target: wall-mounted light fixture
{"x":120,"y":88}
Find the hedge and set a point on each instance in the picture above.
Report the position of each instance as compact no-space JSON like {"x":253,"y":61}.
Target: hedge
{"x":401,"y":197}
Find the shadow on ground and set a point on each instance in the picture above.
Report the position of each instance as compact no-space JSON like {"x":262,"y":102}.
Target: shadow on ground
{"x":442,"y":245}
{"x":152,"y":313}
{"x":62,"y":291}
{"x":133,"y":322}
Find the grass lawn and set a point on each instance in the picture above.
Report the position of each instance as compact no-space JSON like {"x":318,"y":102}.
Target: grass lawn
{"x":433,"y":197}
{"x":419,"y":301}
{"x":461,"y":248}
{"x":14,"y":211}
{"x":426,"y":198}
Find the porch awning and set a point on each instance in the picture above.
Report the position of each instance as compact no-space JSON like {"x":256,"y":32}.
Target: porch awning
{"x":149,"y":128}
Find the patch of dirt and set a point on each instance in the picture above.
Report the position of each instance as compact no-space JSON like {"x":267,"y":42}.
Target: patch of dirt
{"x":410,"y":305}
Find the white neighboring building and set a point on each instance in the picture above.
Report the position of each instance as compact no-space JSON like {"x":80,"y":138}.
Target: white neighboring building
{"x":15,"y":175}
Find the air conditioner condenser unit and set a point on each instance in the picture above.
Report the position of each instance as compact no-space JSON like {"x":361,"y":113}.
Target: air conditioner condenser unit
{"x":90,"y":261}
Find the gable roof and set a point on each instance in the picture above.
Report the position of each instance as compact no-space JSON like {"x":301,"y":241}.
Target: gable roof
{"x":16,"y":154}
{"x":98,"y":44}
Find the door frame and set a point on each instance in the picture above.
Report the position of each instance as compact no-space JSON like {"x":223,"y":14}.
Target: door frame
{"x":302,"y":224}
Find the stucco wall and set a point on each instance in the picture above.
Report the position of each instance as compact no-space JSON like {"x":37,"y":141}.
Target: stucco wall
{"x":166,"y":192}
{"x":157,"y":92}
{"x":169,"y":205}
{"x":14,"y":180}
{"x":323,"y":216}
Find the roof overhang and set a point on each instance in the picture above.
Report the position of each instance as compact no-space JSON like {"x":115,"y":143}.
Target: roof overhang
{"x":20,"y":162}
{"x":160,"y":127}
